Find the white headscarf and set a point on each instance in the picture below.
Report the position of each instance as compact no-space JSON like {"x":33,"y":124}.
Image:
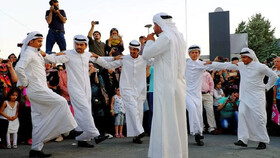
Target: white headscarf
{"x":80,"y":39}
{"x":135,"y":44}
{"x":250,"y":53}
{"x":30,"y":36}
{"x":178,"y":45}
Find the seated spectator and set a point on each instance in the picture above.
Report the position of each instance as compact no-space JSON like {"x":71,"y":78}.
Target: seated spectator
{"x":228,"y":107}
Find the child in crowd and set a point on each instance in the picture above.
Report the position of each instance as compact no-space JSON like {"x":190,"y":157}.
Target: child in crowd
{"x":9,"y":110}
{"x":117,"y":110}
{"x":218,"y":93}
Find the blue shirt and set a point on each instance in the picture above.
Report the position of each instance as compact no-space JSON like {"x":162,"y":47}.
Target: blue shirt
{"x":151,"y":85}
{"x":278,"y":88}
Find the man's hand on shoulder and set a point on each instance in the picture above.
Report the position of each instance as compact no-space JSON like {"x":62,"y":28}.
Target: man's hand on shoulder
{"x":60,"y":53}
{"x":119,"y":57}
{"x":94,"y":55}
{"x":208,"y":62}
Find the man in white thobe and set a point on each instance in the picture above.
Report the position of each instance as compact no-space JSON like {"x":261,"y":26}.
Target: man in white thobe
{"x":50,"y":113}
{"x":252,"y":113}
{"x":77,"y":67}
{"x":194,"y":76}
{"x":132,"y":88}
{"x":169,"y":125}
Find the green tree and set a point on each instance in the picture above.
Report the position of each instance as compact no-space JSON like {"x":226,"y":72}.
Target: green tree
{"x":260,"y":36}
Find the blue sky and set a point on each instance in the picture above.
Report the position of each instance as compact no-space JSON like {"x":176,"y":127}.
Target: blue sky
{"x":129,"y":16}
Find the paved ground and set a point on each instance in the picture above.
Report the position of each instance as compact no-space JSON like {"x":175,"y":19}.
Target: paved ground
{"x":218,"y":146}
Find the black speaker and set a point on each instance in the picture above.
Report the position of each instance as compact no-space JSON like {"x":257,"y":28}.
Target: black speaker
{"x":219,"y":34}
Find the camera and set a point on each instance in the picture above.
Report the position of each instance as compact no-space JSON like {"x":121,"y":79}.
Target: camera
{"x":96,"y":22}
{"x":115,"y":49}
{"x":229,"y":99}
{"x":55,"y":7}
{"x":5,"y":61}
{"x":19,"y":45}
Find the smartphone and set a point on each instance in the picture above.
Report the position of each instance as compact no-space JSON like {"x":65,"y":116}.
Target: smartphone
{"x":96,"y":22}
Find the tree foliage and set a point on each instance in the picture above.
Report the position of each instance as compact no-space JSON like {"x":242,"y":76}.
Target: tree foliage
{"x":260,"y":36}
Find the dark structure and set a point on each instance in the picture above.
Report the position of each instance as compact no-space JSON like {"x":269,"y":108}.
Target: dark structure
{"x":219,"y":35}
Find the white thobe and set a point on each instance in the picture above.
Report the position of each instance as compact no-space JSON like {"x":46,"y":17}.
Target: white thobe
{"x":132,"y":88}
{"x":252,"y":111}
{"x":194,"y":75}
{"x":50,"y":112}
{"x":78,"y":84}
{"x":169,"y":129}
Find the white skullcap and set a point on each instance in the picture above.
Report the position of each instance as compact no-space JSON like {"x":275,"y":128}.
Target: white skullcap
{"x":250,"y":53}
{"x":193,"y":47}
{"x":135,"y":44}
{"x":30,"y":36}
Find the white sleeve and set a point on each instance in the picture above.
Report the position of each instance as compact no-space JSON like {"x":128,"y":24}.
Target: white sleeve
{"x":227,"y":65}
{"x":108,"y":65}
{"x":56,"y":59}
{"x":154,"y":48}
{"x":20,"y":69}
{"x":93,"y":59}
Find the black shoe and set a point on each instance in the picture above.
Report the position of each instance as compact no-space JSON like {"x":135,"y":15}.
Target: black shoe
{"x":200,"y":143}
{"x":137,"y":140}
{"x":240,"y":143}
{"x":38,"y":154}
{"x":141,"y":135}
{"x":197,"y":137}
{"x":100,"y":138}
{"x":75,"y":133}
{"x":261,"y":146}
{"x":85,"y":144}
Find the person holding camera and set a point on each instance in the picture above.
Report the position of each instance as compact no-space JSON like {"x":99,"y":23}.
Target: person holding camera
{"x":228,"y":108}
{"x":114,"y":45}
{"x":56,"y":18}
{"x":95,"y":46}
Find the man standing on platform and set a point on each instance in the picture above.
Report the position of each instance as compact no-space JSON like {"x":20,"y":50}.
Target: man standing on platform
{"x":56,"y":18}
